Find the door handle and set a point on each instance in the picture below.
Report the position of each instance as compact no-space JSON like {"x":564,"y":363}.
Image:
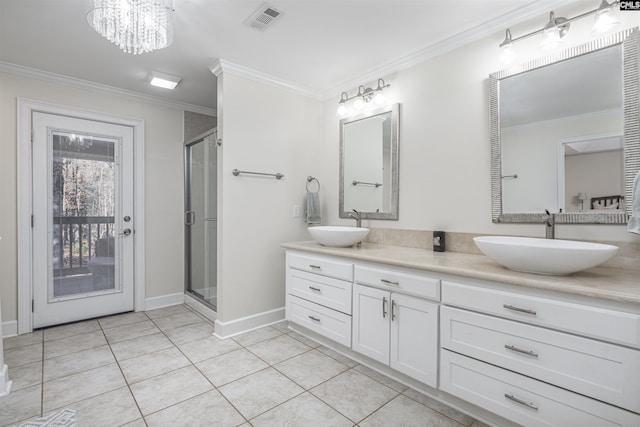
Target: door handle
{"x":384,"y":307}
{"x":125,"y":232}
{"x":189,"y":217}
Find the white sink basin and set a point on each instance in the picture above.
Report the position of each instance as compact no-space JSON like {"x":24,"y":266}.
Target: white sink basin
{"x":341,"y":237}
{"x":544,"y":256}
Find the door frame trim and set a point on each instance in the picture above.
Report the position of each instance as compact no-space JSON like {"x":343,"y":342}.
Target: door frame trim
{"x":26,"y":108}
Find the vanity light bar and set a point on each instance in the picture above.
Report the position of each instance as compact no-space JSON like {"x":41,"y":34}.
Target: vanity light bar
{"x":365,"y":94}
{"x":556,"y":28}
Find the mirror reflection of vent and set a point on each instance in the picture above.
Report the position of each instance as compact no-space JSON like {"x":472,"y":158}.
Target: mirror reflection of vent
{"x":264,"y":17}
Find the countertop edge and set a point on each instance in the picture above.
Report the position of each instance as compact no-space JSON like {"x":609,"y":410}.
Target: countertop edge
{"x":467,"y":265}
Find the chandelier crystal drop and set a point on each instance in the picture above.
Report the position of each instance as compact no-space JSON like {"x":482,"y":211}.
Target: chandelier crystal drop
{"x":136,"y":26}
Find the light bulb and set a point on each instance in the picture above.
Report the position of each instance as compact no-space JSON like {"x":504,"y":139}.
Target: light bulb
{"x":551,"y":38}
{"x":508,"y":55}
{"x":379,"y":97}
{"x":358,"y":104}
{"x":605,"y":21}
{"x":342,"y":110}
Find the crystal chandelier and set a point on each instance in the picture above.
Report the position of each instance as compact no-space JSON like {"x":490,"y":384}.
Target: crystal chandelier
{"x":136,"y":26}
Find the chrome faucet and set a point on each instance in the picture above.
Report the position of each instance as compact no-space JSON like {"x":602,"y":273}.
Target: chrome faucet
{"x":550,"y":225}
{"x":357,"y":216}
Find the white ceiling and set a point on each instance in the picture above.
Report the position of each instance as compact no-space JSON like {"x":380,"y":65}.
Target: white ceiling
{"x":316,"y":44}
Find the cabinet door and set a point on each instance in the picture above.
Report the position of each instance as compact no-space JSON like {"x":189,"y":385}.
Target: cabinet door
{"x":414,"y":338}
{"x":371,"y":322}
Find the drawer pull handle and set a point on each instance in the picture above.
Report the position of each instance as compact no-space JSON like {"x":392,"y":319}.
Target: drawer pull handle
{"x":520,"y":401}
{"x":384,"y":307}
{"x":518,"y":309}
{"x":389,"y":282}
{"x":313,"y":288}
{"x":314,"y":266}
{"x":315,"y":319}
{"x":393,"y":310}
{"x":521,"y":350}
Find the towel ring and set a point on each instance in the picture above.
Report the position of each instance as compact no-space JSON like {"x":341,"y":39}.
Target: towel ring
{"x":311,"y":179}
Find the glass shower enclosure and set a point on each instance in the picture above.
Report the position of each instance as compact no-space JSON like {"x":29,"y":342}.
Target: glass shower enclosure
{"x":200,"y":218}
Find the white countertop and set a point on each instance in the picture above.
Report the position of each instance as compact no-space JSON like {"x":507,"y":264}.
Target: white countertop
{"x":600,"y":282}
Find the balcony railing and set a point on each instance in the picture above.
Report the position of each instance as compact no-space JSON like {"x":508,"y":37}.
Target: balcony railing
{"x":74,"y":241}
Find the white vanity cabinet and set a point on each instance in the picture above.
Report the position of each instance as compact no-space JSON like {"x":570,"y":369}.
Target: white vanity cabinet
{"x":319,"y":295}
{"x":531,"y":358}
{"x":395,"y":328}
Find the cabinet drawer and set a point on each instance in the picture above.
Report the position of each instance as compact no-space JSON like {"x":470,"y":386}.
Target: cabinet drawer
{"x":413,"y":283}
{"x":319,"y":265}
{"x":608,"y":325}
{"x":525,"y":400}
{"x":324,"y":321}
{"x":593,"y":368}
{"x":332,"y":293}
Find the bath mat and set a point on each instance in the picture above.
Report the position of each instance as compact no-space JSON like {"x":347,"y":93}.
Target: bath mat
{"x":64,"y":418}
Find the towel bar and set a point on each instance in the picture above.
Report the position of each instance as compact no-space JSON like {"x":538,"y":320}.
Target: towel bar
{"x":237,"y":172}
{"x":376,"y":184}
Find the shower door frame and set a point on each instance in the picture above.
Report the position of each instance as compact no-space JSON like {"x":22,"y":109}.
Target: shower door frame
{"x":187,"y":232}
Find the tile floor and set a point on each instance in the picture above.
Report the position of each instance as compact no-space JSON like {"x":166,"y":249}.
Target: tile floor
{"x":164,"y":368}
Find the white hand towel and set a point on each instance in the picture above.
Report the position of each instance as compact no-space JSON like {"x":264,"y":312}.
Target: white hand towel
{"x":313,"y":213}
{"x":634,"y":221}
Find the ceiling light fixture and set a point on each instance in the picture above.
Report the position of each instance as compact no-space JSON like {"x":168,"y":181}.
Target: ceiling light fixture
{"x":364,"y":95}
{"x":166,"y":81}
{"x":556,"y":28}
{"x":136,"y":26}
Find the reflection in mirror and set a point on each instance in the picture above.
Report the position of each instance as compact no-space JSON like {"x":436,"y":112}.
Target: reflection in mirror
{"x":564,"y":135}
{"x":369,"y":164}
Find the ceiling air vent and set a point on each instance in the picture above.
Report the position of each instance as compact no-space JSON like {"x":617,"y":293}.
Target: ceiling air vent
{"x":264,"y":17}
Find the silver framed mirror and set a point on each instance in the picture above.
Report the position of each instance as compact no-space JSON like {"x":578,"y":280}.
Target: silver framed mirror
{"x":369,"y":164}
{"x":575,"y":107}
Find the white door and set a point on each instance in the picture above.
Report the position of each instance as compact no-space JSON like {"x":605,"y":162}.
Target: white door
{"x":83,"y":224}
{"x":371,"y":322}
{"x":414,"y":338}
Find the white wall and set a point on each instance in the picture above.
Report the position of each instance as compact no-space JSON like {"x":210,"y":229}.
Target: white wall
{"x":163,"y":180}
{"x":263,"y":129}
{"x":445,"y":140}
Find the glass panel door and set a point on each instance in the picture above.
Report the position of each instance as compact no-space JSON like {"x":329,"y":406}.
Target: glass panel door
{"x":201,"y":219}
{"x":83,"y":219}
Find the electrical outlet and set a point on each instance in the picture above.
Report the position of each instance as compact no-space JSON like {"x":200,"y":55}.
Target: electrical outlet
{"x":296,"y":211}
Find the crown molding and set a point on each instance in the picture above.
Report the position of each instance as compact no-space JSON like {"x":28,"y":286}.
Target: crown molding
{"x":472,"y":35}
{"x":46,"y":76}
{"x":222,"y":66}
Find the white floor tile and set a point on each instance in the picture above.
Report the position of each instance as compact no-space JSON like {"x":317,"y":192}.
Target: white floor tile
{"x":205,"y":410}
{"x":166,"y":390}
{"x":259,"y":392}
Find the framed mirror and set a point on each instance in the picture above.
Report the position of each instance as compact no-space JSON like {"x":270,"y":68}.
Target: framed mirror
{"x":565,"y":134}
{"x":369,"y":164}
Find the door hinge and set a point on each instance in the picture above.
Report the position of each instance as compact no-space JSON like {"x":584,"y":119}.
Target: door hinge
{"x":32,"y":306}
{"x":32,"y":136}
{"x":31,"y":221}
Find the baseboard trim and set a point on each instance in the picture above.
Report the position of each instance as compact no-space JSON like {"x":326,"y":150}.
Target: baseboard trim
{"x":5,"y":384}
{"x":205,"y":310}
{"x":9,"y":329}
{"x":245,"y":324}
{"x":163,"y":301}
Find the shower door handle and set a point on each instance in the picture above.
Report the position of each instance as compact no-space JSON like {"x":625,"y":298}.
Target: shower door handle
{"x":189,"y":217}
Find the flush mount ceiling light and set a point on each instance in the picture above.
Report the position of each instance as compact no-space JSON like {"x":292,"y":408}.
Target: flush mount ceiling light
{"x":136,"y":26}
{"x":556,"y":28}
{"x":166,"y":81}
{"x":364,"y":95}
